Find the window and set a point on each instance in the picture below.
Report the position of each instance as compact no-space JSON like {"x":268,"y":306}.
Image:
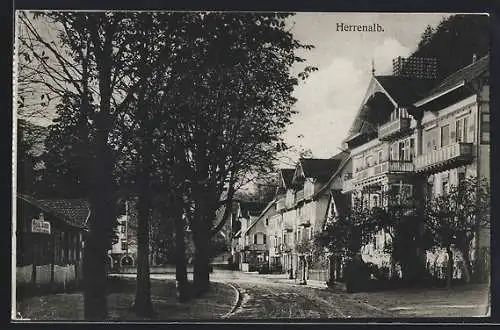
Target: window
{"x":375,"y":201}
{"x":267,"y":221}
{"x":123,"y":227}
{"x":264,"y":238}
{"x":445,"y":135}
{"x":444,"y":188}
{"x":255,"y":239}
{"x":461,"y":130}
{"x":124,"y":245}
{"x":485,"y":128}
{"x":412,"y":148}
{"x":380,"y":156}
{"x":429,"y":190}
{"x":430,"y":138}
{"x":460,"y":179}
{"x":401,"y":150}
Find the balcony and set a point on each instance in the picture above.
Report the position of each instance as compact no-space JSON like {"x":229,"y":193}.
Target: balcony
{"x":389,"y":166}
{"x":299,"y":196}
{"x":256,"y":247}
{"x":444,"y":158}
{"x":280,"y":204}
{"x":348,"y":185}
{"x":304,"y":222}
{"x":394,"y":129}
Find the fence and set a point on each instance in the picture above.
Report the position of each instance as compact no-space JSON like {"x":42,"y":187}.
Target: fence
{"x":64,"y":275}
{"x":318,"y":275}
{"x":49,"y":276}
{"x":43,"y":274}
{"x":169,"y":269}
{"x":24,"y":274}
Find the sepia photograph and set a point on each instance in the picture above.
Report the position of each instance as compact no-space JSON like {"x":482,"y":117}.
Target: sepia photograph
{"x":223,"y":166}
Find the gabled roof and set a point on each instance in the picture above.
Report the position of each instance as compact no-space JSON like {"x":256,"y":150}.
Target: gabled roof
{"x":395,"y":90}
{"x":73,"y":211}
{"x":269,"y":205}
{"x":462,"y":76}
{"x":405,"y":90}
{"x":318,"y":168}
{"x":345,"y":158}
{"x":287,"y":176}
{"x":250,"y":208}
{"x":341,"y":202}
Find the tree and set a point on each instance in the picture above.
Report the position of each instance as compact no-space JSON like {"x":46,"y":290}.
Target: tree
{"x":90,"y":59}
{"x":230,"y":123}
{"x":462,"y":34}
{"x":455,"y":218}
{"x":65,"y":153}
{"x":426,"y":37}
{"x":400,"y":217}
{"x":29,"y":163}
{"x":345,"y":234}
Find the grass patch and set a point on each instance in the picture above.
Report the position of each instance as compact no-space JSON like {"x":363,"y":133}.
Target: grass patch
{"x":121,"y":295}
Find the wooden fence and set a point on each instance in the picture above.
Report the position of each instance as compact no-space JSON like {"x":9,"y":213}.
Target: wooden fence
{"x":46,"y":276}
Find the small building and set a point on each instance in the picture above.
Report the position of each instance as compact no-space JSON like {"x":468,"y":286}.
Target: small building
{"x":257,"y":242}
{"x":123,"y":252}
{"x":245,"y":213}
{"x":49,"y":236}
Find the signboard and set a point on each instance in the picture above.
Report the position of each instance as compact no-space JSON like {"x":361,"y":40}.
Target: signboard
{"x":40,"y":226}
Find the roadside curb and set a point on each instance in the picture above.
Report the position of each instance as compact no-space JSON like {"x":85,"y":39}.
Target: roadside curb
{"x":237,"y":302}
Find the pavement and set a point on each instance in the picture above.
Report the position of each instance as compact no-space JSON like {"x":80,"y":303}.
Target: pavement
{"x":274,"y":297}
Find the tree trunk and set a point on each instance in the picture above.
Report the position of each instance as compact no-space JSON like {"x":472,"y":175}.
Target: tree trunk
{"x":332,"y":268}
{"x":97,"y":243}
{"x":143,"y":305}
{"x":467,"y":265}
{"x":449,"y":275}
{"x":181,"y":265}
{"x":201,"y":276}
{"x":94,"y":279}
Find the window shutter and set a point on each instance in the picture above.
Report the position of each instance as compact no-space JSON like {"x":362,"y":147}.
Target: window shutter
{"x":471,"y":131}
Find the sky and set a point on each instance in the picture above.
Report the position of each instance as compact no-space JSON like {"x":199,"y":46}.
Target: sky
{"x":329,"y":100}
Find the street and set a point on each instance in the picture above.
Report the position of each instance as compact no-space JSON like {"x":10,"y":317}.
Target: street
{"x":277,"y":297}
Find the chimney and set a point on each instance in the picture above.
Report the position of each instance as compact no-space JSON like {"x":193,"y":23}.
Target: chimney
{"x":474,"y":58}
{"x":415,"y":67}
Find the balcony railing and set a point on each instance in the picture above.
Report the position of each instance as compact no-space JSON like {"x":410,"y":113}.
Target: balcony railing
{"x":287,"y":225}
{"x":280,"y":204}
{"x":256,"y":247}
{"x":305,"y":222}
{"x":299,"y":196}
{"x":389,"y":166}
{"x":444,"y":158}
{"x":348,"y":185}
{"x":394,"y":128}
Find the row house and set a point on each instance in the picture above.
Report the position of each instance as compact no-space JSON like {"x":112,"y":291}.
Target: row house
{"x":302,"y":203}
{"x":244,"y":252}
{"x":419,"y":137}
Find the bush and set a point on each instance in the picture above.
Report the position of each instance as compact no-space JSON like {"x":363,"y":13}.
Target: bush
{"x":277,"y":268}
{"x":264,"y":269}
{"x":357,"y":275}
